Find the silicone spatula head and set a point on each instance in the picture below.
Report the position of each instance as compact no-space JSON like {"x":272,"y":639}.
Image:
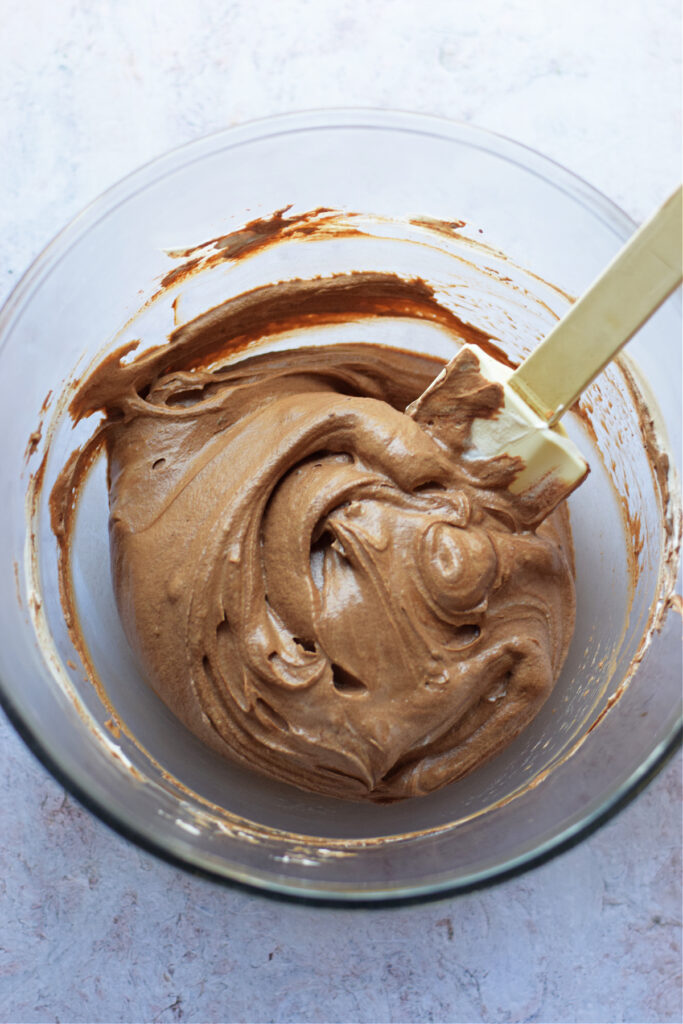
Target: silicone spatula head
{"x":520,"y":423}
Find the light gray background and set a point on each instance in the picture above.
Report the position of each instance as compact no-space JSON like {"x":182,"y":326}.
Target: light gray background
{"x":91,"y":929}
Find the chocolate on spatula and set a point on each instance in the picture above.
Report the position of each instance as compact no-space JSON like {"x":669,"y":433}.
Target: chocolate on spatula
{"x":518,"y":418}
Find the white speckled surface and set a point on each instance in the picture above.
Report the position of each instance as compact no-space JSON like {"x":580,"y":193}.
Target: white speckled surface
{"x":91,"y":929}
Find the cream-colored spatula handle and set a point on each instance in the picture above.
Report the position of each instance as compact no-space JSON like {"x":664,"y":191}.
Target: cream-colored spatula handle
{"x":634,"y":284}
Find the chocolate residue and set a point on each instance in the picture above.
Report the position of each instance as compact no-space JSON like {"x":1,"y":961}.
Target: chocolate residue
{"x":259,"y":234}
{"x":273,"y":309}
{"x":658,"y":460}
{"x":36,"y":436}
{"x":15,"y":566}
{"x":488,"y":346}
{"x":33,"y":442}
{"x":252,"y":235}
{"x":63,"y":510}
{"x":584,"y":409}
{"x":113,"y":728}
{"x":449,"y":228}
{"x":178,"y":274}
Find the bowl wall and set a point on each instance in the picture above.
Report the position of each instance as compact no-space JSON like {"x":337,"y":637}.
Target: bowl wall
{"x":95,"y":288}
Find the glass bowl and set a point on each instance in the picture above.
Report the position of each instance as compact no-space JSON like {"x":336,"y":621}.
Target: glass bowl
{"x":408,"y":183}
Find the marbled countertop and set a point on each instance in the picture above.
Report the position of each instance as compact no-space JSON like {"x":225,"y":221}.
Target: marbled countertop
{"x":91,"y":928}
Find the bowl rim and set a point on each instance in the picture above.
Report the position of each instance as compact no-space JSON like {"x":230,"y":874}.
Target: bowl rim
{"x":553,"y":173}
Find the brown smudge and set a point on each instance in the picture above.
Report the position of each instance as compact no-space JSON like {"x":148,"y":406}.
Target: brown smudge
{"x":63,"y":507}
{"x":659,"y":464}
{"x":259,"y":228}
{"x":33,"y":442}
{"x":584,"y":409}
{"x":36,"y":436}
{"x":266,"y":311}
{"x":15,"y":566}
{"x":449,"y":228}
{"x":179,"y":274}
{"x":256,"y":235}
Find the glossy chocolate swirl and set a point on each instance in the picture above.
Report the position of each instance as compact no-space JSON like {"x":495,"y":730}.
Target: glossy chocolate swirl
{"x":317,"y":584}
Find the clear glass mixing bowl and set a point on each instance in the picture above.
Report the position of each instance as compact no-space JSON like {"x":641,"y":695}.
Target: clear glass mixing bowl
{"x":615,"y":713}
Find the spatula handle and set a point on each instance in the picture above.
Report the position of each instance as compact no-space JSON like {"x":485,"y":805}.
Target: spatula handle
{"x":632,"y":287}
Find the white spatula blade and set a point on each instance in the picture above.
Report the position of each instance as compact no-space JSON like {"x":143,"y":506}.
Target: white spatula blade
{"x":551,"y":464}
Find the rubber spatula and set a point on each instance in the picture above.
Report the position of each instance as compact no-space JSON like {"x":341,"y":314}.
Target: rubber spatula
{"x":524,"y":427}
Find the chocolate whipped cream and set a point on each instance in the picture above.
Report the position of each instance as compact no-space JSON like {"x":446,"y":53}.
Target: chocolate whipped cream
{"x":314,"y":580}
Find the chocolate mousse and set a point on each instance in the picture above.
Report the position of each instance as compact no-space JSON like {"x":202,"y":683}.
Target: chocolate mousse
{"x":313,"y":578}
